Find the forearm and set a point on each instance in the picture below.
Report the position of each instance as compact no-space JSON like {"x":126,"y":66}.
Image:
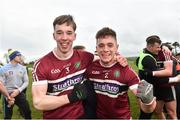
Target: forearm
{"x":163,"y":73}
{"x":167,"y":71}
{"x":3,"y":90}
{"x":165,"y":80}
{"x":24,"y":85}
{"x":48,"y":102}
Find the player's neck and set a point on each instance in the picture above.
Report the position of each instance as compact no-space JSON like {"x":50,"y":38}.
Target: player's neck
{"x":62,"y":56}
{"x":110,"y":64}
{"x":13,"y":62}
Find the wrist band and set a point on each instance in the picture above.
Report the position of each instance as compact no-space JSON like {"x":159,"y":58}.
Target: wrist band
{"x":150,"y":102}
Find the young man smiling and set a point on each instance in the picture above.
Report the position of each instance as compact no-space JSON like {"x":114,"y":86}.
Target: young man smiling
{"x":15,"y":79}
{"x":112,"y":81}
{"x":58,"y":87}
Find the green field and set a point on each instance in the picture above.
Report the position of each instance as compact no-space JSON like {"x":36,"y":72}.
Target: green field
{"x":38,"y":114}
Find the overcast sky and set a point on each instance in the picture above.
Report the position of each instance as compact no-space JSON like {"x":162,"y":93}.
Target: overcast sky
{"x":26,"y":25}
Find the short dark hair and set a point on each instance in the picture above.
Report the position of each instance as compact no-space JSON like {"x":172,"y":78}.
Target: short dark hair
{"x":106,"y":31}
{"x":167,"y":44}
{"x":64,"y":19}
{"x":178,"y":54}
{"x":153,"y":39}
{"x":79,"y":47}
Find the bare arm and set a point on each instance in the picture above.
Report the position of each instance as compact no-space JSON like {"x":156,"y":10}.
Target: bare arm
{"x":3,"y":90}
{"x":168,"y":64}
{"x":41,"y":101}
{"x":167,"y":71}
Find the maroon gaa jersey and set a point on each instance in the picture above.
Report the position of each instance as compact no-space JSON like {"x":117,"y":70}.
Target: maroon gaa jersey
{"x":111,"y":86}
{"x":61,"y":76}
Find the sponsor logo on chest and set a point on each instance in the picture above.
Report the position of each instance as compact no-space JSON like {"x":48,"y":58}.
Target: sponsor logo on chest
{"x":55,"y":71}
{"x":96,"y":72}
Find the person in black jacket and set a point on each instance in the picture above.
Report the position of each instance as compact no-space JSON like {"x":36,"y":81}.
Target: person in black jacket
{"x":150,"y":71}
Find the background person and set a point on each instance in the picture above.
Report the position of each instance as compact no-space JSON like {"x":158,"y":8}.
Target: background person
{"x":15,"y":79}
{"x":79,"y":47}
{"x":148,"y":61}
{"x":6,"y":55}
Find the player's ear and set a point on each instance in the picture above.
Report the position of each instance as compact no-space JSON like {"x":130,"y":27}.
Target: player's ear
{"x":74,"y":36}
{"x":53,"y":36}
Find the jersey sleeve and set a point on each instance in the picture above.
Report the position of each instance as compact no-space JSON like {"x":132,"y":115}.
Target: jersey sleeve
{"x":131,"y":77}
{"x":39,"y":73}
{"x":25,"y":80}
{"x":89,"y":58}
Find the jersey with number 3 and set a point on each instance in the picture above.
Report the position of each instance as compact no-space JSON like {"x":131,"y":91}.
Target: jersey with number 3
{"x":61,"y":76}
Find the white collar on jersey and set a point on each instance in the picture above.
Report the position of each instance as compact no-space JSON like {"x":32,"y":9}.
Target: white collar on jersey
{"x":107,"y":66}
{"x":61,"y":58}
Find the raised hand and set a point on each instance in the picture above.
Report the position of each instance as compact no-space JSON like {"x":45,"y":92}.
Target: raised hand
{"x":121,"y":60}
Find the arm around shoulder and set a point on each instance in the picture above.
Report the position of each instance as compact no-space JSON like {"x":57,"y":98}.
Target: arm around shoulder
{"x":167,"y":71}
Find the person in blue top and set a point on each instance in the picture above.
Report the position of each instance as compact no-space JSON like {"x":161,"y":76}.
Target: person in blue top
{"x":14,"y":77}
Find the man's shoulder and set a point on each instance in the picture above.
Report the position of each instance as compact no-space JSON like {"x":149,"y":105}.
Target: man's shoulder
{"x":6,"y":66}
{"x":149,"y":58}
{"x":84,"y":54}
{"x":43,"y":60}
{"x":46,"y":57}
{"x":127,"y":69}
{"x":22,"y":66}
{"x":96,"y":62}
